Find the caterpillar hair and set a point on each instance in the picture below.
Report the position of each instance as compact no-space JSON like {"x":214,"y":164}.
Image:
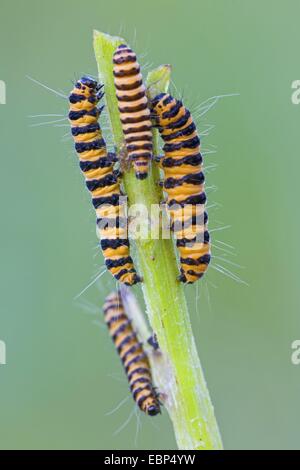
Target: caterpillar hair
{"x":103,"y":182}
{"x":134,"y":109}
{"x":184,"y":184}
{"x":132,"y":355}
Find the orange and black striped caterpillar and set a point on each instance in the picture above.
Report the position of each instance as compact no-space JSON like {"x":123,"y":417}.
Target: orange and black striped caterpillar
{"x":184,"y":184}
{"x":102,"y":180}
{"x":134,"y":109}
{"x":132,"y":354}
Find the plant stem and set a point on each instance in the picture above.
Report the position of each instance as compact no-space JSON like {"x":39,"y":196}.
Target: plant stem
{"x":181,"y":381}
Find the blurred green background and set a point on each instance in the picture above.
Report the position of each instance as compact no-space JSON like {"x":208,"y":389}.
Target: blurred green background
{"x":62,"y":375}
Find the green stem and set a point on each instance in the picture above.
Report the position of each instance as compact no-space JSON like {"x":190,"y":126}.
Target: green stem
{"x":181,"y":380}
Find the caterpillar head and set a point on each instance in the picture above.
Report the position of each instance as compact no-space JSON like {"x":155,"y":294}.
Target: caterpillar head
{"x":120,"y":51}
{"x":160,"y":106}
{"x":88,"y":82}
{"x":151,"y":406}
{"x":157,"y":102}
{"x":87,"y":87}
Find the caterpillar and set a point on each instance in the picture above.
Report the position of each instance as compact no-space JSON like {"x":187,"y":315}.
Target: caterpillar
{"x":103,"y":182}
{"x":184,"y":184}
{"x":134,"y":109}
{"x":132,"y":355}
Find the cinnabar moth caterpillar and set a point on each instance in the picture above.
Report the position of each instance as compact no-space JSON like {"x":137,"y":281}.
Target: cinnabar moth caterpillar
{"x":103,"y":182}
{"x":134,"y":109}
{"x":184,"y":184}
{"x":132,"y":355}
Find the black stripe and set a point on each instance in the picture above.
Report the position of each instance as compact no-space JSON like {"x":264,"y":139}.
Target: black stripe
{"x":195,"y":179}
{"x":127,"y":73}
{"x":115,"y":263}
{"x":145,"y":380}
{"x":133,"y":109}
{"x":192,"y":160}
{"x":179,"y":224}
{"x":75,"y":115}
{"x":134,"y":360}
{"x":185,"y":144}
{"x":128,"y":98}
{"x":185,"y":241}
{"x":102,"y":162}
{"x":111,"y":222}
{"x":197,"y":199}
{"x":135,"y":347}
{"x":113,"y":200}
{"x":121,"y":329}
{"x":131,"y":57}
{"x":183,"y":278}
{"x":128,"y":86}
{"x":87,"y":146}
{"x":132,"y":130}
{"x":112,"y":156}
{"x":180,"y":122}
{"x":131,"y":337}
{"x":168,"y":99}
{"x":138,"y":370}
{"x":115,"y":318}
{"x":173,"y":111}
{"x":143,"y":398}
{"x":107,"y":180}
{"x":183,"y":132}
{"x":144,"y":146}
{"x":135,"y":277}
{"x":140,"y":390}
{"x":114,"y":305}
{"x":194,"y":273}
{"x":113,"y":243}
{"x":134,"y":120}
{"x":93,"y":99}
{"x":205,"y":259}
{"x":85,"y":129}
{"x":122,"y":272}
{"x":146,"y":155}
{"x":76,"y":98}
{"x":138,"y":138}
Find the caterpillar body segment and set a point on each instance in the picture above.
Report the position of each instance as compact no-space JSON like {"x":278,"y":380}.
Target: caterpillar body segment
{"x":102,"y":181}
{"x":184,"y":184}
{"x":132,"y":355}
{"x":134,"y":109}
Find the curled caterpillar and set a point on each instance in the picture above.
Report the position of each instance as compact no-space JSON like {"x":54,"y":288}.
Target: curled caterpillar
{"x":132,"y":354}
{"x":101,"y":179}
{"x":134,"y":109}
{"x":184,"y":184}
